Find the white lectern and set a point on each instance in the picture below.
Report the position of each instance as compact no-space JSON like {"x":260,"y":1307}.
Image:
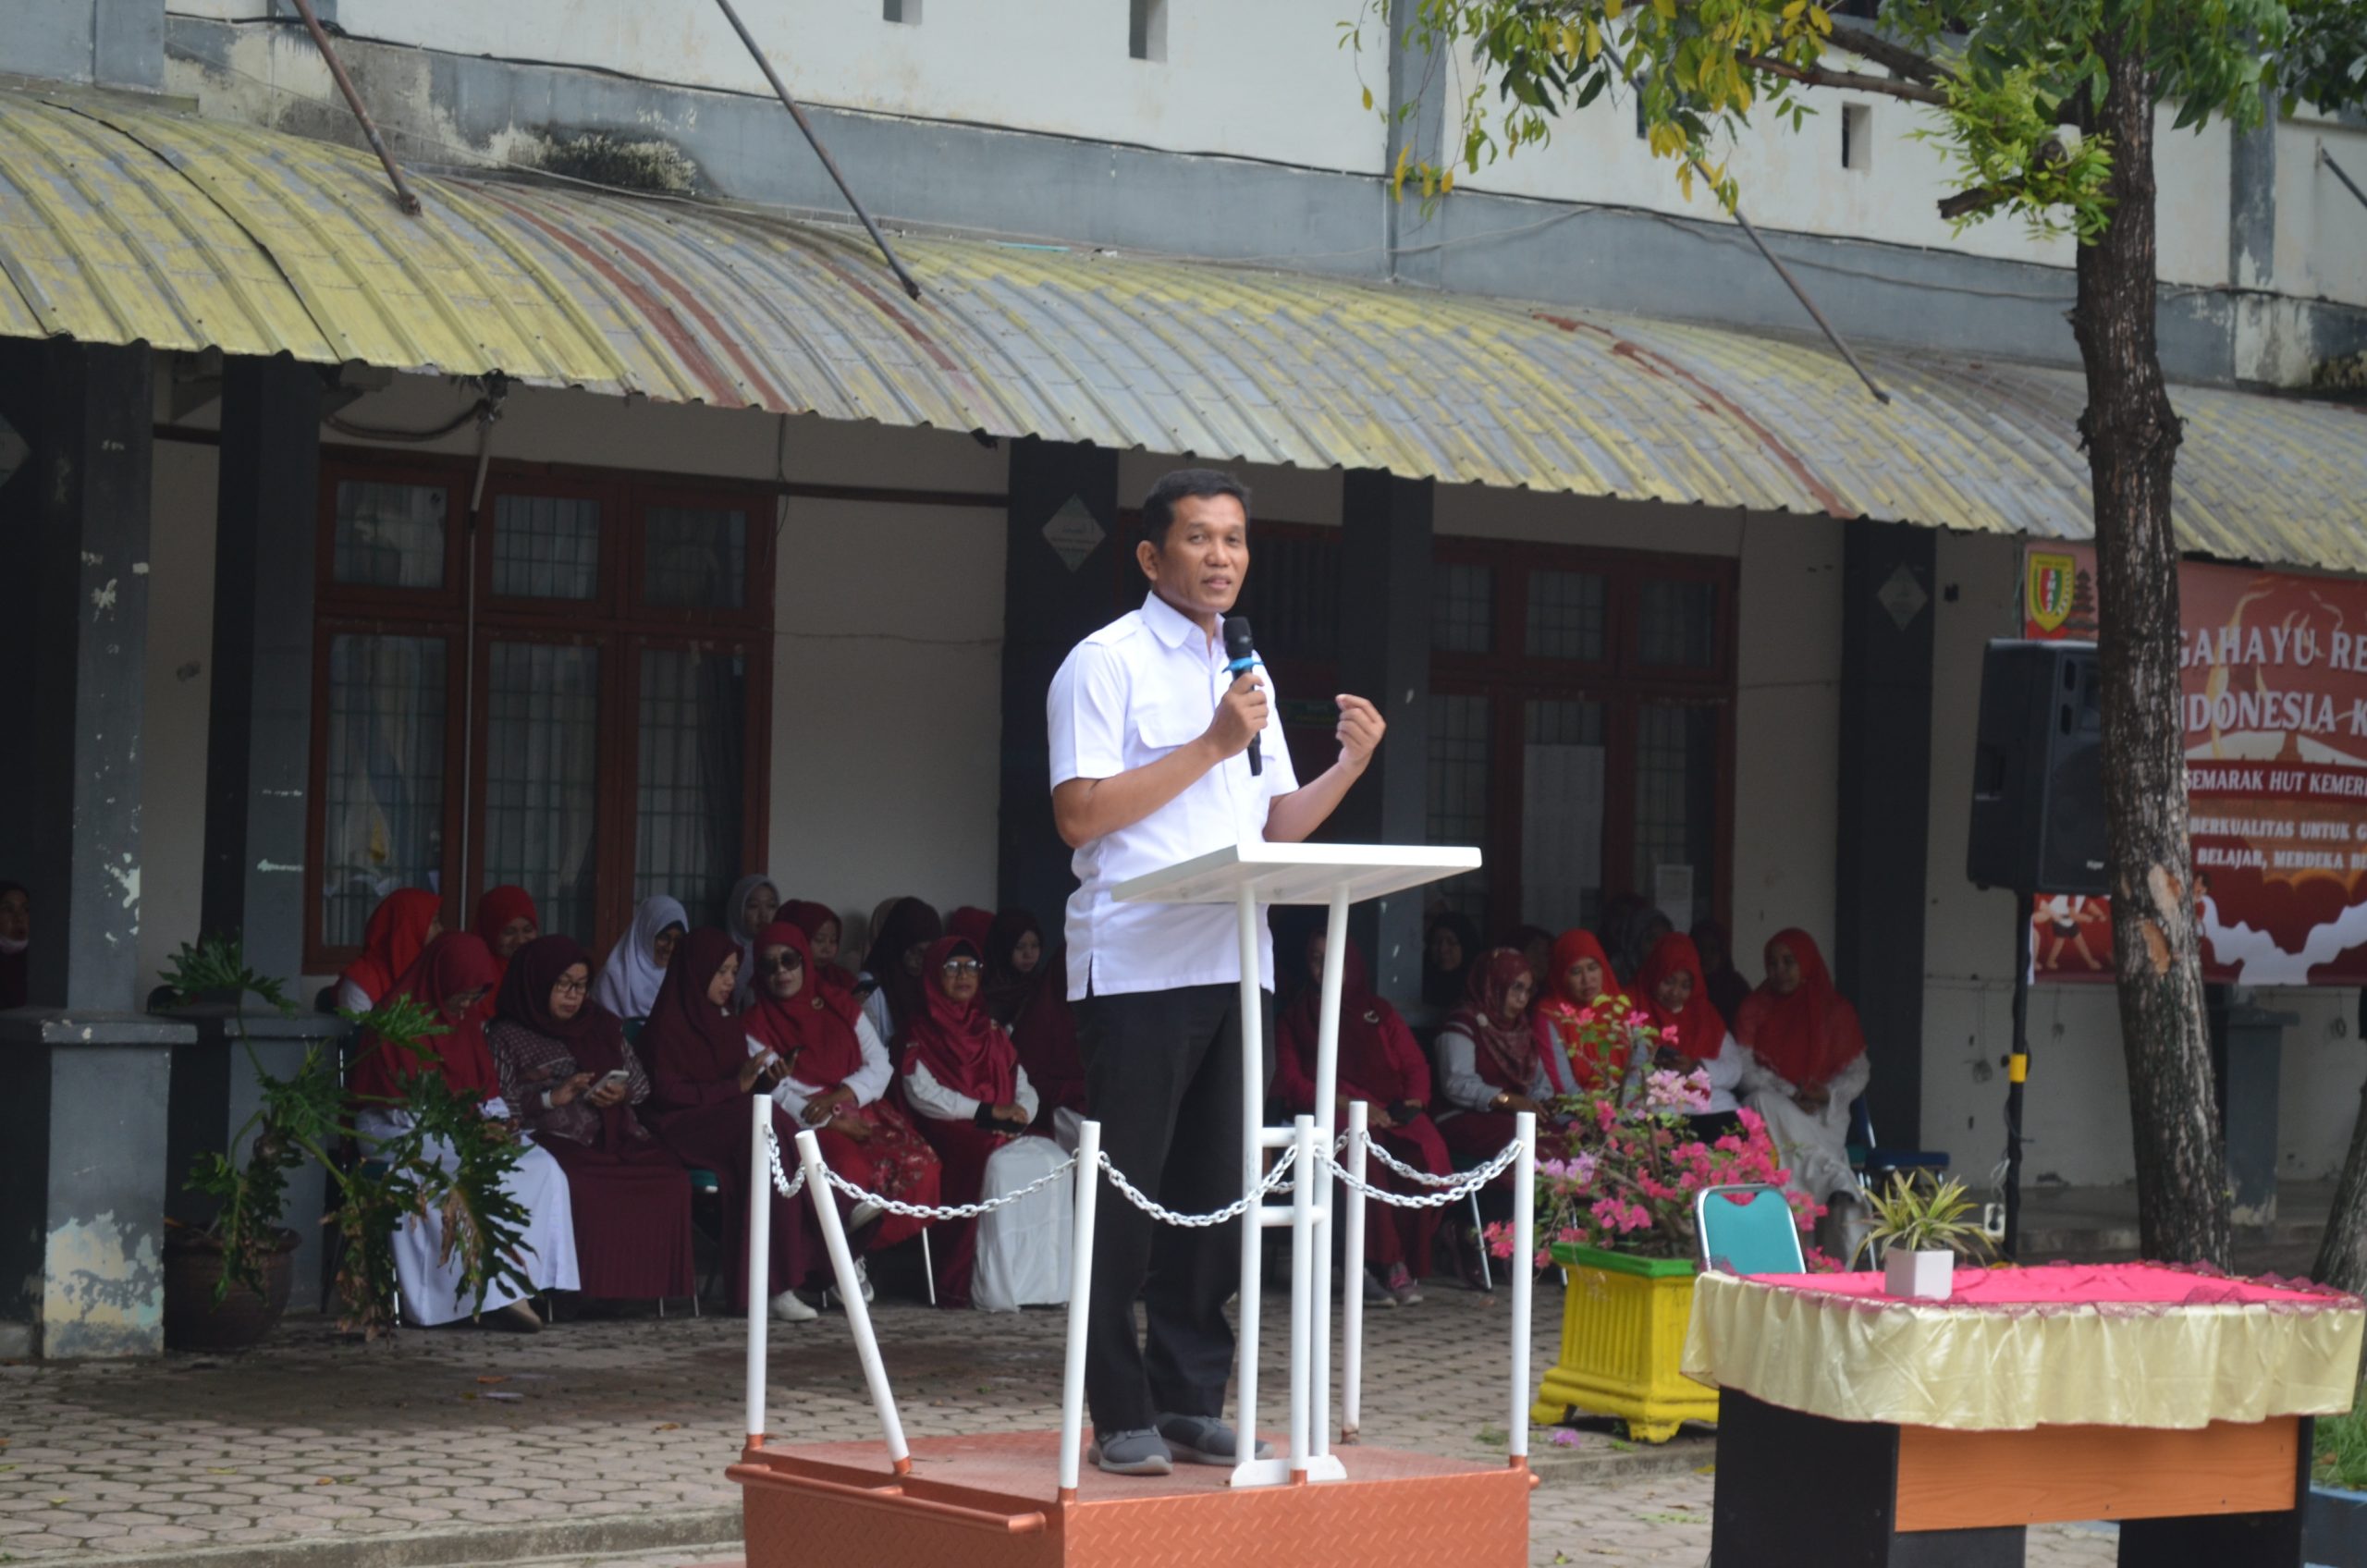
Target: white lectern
{"x":1248,"y":876}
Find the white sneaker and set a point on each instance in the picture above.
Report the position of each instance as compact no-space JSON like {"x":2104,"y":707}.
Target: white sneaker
{"x":863,"y":1280}
{"x":864,"y":1214}
{"x":789,"y":1307}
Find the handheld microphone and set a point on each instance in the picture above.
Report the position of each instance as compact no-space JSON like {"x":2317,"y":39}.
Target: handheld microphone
{"x":1241,"y":649}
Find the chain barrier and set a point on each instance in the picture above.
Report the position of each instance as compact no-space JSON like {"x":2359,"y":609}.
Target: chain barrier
{"x":1466,"y":1184}
{"x":1230,"y":1212}
{"x":782,"y":1182}
{"x":1372,"y":1146}
{"x":934,"y":1212}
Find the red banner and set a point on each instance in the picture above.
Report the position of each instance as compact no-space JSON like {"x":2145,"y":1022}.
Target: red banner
{"x":2274,"y":717}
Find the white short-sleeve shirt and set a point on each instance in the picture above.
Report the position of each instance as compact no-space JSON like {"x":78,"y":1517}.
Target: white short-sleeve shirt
{"x":1127,"y":696}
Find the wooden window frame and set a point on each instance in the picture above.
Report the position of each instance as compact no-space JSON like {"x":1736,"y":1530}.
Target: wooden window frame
{"x":613,"y":619}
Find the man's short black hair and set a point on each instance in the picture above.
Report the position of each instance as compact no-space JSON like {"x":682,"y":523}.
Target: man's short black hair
{"x":1158,"y":507}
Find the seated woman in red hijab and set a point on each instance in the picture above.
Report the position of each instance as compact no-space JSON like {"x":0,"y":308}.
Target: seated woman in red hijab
{"x":823,"y":928}
{"x":1807,"y":1062}
{"x":702,"y":1074}
{"x":573,"y":1081}
{"x":1489,"y":1069}
{"x":834,"y":1078}
{"x":449,"y":980}
{"x":1674,"y":996}
{"x":1381,"y":1063}
{"x":506,"y":921}
{"x":399,"y":929}
{"x":1579,"y":980}
{"x":973,"y":1099}
{"x":1029,"y":997}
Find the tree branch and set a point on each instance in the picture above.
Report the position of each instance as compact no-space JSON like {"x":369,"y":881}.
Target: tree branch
{"x":1868,"y":44}
{"x":1855,"y":81}
{"x":1981,"y":197}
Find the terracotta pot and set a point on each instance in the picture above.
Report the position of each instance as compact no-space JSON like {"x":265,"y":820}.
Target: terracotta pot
{"x":193,"y":1269}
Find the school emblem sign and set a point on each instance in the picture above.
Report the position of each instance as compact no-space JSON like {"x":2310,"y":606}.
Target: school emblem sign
{"x":2050,"y":578}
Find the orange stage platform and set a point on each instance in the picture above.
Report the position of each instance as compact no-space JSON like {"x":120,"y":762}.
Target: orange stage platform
{"x":994,"y":1502}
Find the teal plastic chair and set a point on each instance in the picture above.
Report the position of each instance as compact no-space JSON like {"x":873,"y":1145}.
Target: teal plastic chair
{"x":1747,"y":1230}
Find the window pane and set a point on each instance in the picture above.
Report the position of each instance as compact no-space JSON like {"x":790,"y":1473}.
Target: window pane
{"x":383,"y":801}
{"x":1463,"y":609}
{"x":1561,"y":822}
{"x":1291,"y":597}
{"x":389,"y":535}
{"x":1679,"y":624}
{"x":545,"y":547}
{"x":693,"y":716}
{"x":697,"y":556}
{"x":1677,"y":764}
{"x":542,"y":774}
{"x":1565,"y":615}
{"x":1458,"y":804}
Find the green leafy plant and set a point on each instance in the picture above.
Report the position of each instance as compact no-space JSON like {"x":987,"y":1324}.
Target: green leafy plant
{"x":306,"y":1115}
{"x":1921,"y":1212}
{"x":2339,"y":1457}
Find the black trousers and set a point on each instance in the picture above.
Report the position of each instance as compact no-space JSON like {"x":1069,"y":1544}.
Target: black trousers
{"x":1162,"y":1073}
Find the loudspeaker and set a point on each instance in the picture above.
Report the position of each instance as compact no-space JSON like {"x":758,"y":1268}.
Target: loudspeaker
{"x":2038,"y":804}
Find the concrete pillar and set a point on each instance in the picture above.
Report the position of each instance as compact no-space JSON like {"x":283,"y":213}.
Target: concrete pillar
{"x":1061,"y":580}
{"x":1879,"y":876}
{"x":1420,"y":84}
{"x":83,"y":1076}
{"x":112,"y":43}
{"x":2247,"y":1051}
{"x":1385,"y":570}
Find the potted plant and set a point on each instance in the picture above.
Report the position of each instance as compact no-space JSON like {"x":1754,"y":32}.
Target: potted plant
{"x":1921,"y":1222}
{"x":227,"y":1282}
{"x":1615,"y":1204}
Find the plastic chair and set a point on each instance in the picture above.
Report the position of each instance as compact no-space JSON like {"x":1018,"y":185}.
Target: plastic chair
{"x":1747,"y":1230}
{"x":1870,"y":1160}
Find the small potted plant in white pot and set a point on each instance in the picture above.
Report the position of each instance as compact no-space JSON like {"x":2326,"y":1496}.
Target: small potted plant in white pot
{"x":1922,"y":1222}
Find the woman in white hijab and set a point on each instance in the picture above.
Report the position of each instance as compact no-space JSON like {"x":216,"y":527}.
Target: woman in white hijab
{"x":755,"y":901}
{"x":636,"y":965}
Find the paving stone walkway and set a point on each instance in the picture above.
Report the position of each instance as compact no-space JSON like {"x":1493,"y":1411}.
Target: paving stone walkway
{"x":597,"y":1440}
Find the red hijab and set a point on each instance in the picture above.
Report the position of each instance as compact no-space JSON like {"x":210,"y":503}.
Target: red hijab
{"x":496,"y":909}
{"x":810,"y":917}
{"x":1507,"y":1054}
{"x":391,"y":942}
{"x":453,"y":963}
{"x":1364,"y":1044}
{"x":813,"y":1030}
{"x":1700,"y":1029}
{"x":1567,"y":1057}
{"x":1809,"y":1036}
{"x":697,"y":1041}
{"x":957,"y":1041}
{"x":973,"y":925}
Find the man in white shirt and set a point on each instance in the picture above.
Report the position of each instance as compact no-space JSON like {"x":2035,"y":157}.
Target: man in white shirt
{"x":1149,"y":732}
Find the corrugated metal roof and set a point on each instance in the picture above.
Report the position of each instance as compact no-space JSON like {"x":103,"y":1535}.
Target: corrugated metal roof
{"x":119,"y":224}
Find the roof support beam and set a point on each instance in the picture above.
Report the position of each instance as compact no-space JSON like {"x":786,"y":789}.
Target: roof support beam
{"x":403,"y":197}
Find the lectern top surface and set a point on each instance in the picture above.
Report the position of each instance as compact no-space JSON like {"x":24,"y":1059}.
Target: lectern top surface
{"x":1298,"y":874}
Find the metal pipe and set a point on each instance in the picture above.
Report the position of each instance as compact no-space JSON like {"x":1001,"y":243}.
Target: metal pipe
{"x":1253,"y":1121}
{"x":867,"y":1344}
{"x":760,"y":1249}
{"x":1523,"y":1273}
{"x":1327,"y":1093}
{"x":403,"y":197}
{"x":781,"y":90}
{"x":1088,"y":1191}
{"x":1802,"y":296}
{"x":2348,"y":183}
{"x":1302,"y":1288}
{"x":1352,"y":1274}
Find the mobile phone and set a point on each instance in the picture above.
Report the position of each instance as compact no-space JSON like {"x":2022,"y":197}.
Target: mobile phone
{"x":617,"y":1079}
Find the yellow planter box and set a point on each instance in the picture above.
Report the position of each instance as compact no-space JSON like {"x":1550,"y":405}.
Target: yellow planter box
{"x":1623,"y":1329}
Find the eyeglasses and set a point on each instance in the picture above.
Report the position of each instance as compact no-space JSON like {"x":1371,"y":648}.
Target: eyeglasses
{"x":963,"y":966}
{"x":566,"y":987}
{"x":787,"y":963}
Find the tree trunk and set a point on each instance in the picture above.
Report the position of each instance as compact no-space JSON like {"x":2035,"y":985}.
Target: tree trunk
{"x":2132,"y":436}
{"x":2342,"y":1255}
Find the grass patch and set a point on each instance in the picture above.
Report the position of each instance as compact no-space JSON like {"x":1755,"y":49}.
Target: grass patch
{"x":2341,"y":1457}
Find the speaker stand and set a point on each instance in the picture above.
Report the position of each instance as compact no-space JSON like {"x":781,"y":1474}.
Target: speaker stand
{"x":2018,"y":1068}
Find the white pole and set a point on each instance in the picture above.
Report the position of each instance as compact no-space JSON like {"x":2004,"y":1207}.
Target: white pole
{"x":867,"y":1344}
{"x":1524,"y":1272}
{"x":1089,"y":1189}
{"x":1352,"y":1271}
{"x":760,"y":1253}
{"x":1303,"y":1282}
{"x":1327,"y":1093}
{"x":1253,"y":1121}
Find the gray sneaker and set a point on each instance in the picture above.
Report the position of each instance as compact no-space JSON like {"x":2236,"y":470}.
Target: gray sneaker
{"x":1140,"y":1452}
{"x":1204,"y":1440}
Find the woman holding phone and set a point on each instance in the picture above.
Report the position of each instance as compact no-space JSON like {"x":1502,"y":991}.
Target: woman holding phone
{"x":573,"y":1080}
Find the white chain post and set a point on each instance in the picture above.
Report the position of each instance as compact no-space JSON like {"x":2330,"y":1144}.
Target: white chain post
{"x":1524,"y":1272}
{"x":1253,"y":1121}
{"x":760,"y":1251}
{"x":867,"y":1344}
{"x":1088,"y":1188}
{"x":1302,"y":1287}
{"x":1327,"y":1093}
{"x":1352,"y":1278}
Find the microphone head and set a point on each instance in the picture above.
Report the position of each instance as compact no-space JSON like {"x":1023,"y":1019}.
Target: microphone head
{"x":1238,"y":642}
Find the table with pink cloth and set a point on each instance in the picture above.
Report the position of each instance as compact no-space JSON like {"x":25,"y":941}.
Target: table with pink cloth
{"x":1860,"y":1427}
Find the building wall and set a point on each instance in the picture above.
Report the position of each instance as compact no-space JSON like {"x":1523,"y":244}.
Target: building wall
{"x":179,"y":697}
{"x":2321,"y":227}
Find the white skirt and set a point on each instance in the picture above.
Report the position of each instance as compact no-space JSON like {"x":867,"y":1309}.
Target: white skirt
{"x":1023,"y":1256}
{"x":1813,"y":1145}
{"x":431,"y":1287}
